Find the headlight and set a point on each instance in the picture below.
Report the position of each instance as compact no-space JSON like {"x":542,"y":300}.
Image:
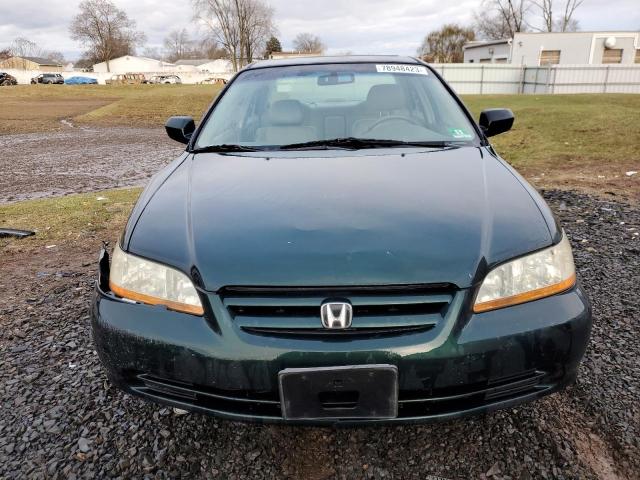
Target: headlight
{"x":144,"y":281}
{"x":534,"y":276}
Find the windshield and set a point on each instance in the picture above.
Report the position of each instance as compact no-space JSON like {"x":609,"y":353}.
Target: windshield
{"x":273,"y":107}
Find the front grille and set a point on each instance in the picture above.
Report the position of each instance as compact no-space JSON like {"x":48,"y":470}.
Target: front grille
{"x":468,"y":397}
{"x":414,"y":404}
{"x":266,"y":404}
{"x":390,"y":310}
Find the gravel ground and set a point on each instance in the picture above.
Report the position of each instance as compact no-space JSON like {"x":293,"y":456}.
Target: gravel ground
{"x":59,"y":417}
{"x":59,"y":163}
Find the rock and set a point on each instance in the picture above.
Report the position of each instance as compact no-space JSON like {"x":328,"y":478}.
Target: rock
{"x":494,"y":470}
{"x":83,"y":445}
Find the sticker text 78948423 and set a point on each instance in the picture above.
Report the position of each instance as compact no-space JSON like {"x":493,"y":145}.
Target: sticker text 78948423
{"x":398,"y":68}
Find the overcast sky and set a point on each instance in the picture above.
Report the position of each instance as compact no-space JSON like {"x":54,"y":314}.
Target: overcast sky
{"x":356,"y":26}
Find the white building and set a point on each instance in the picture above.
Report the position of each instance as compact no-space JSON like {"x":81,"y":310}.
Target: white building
{"x":131,"y":64}
{"x":556,"y":48}
{"x":492,"y":51}
{"x":220,"y":66}
{"x":576,"y":48}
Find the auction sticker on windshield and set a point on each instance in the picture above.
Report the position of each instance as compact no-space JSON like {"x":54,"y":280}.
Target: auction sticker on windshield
{"x":396,"y":68}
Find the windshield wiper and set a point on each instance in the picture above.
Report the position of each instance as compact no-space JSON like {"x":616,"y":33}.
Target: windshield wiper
{"x":225,"y":148}
{"x":353,"y":143}
{"x":346,"y":143}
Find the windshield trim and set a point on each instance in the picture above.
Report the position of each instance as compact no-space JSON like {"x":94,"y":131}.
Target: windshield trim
{"x":332,"y":61}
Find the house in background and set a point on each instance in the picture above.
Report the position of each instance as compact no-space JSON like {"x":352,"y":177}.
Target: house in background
{"x":132,"y":64}
{"x":31,"y":63}
{"x":491,"y":51}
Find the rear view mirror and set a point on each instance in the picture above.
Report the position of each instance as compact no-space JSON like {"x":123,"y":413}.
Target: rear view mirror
{"x":335,"y":78}
{"x":496,"y":120}
{"x":180,"y":128}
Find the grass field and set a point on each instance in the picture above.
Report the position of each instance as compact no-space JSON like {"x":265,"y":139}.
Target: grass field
{"x":588,"y":140}
{"x":37,"y":108}
{"x":69,"y":219}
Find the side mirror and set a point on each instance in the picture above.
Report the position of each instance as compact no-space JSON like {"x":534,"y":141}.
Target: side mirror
{"x":496,"y":120}
{"x":180,"y":129}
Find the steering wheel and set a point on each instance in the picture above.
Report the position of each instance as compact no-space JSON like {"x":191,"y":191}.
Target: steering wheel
{"x":391,"y":118}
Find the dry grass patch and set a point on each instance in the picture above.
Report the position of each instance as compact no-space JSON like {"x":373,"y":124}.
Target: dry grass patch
{"x":571,"y":141}
{"x":38,"y":108}
{"x":68,"y":220}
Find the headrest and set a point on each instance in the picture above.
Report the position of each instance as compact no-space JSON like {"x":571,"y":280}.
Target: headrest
{"x":383,"y":98}
{"x":285,"y":112}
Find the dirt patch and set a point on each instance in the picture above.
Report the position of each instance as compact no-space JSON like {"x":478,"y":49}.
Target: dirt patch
{"x":21,"y":115}
{"x":596,"y":454}
{"x":74,"y":160}
{"x":608,"y":181}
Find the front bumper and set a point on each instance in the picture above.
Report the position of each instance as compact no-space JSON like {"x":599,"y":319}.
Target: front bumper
{"x":474,"y":363}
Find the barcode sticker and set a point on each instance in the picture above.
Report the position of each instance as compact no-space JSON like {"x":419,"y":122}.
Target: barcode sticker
{"x":397,"y":68}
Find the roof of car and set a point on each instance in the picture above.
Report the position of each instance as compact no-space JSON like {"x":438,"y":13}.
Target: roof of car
{"x":321,"y":60}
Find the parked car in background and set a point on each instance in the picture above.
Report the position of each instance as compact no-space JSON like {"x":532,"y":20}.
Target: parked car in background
{"x":126,"y":79}
{"x":48,"y":79}
{"x":81,"y":81}
{"x":384,"y":264}
{"x":6,"y":79}
{"x":214,"y":81}
{"x":166,"y":79}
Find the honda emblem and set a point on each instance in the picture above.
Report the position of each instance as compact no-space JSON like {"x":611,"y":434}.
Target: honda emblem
{"x":336,"y":314}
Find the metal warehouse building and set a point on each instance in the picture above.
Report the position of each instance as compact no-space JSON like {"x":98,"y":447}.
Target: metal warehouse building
{"x":493,"y":51}
{"x":31,"y":63}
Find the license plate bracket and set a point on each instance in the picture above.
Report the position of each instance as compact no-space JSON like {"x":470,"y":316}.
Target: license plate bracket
{"x":355,"y":391}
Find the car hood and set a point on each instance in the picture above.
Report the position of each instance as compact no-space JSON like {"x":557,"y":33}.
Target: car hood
{"x":338,"y":218}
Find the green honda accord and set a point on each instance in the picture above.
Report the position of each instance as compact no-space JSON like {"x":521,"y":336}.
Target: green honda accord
{"x":340,"y":243}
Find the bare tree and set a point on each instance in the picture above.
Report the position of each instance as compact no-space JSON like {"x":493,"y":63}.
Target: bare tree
{"x":5,"y":53}
{"x":255,"y":21}
{"x":55,"y":56}
{"x":207,"y":47}
{"x":308,"y":43}
{"x":490,"y":26}
{"x":566,"y":22}
{"x":240,"y":27}
{"x":23,"y":47}
{"x":500,"y":19}
{"x":546,"y":12}
{"x":445,"y":45}
{"x":105,"y":30}
{"x":152,"y":52}
{"x":177,"y":44}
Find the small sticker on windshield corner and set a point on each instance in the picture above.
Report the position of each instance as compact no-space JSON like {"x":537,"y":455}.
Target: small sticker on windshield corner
{"x":459,"y":133}
{"x":397,"y":68}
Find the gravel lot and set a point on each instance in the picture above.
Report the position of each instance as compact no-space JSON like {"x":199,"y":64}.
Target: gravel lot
{"x":61,"y":419}
{"x":78,"y":160}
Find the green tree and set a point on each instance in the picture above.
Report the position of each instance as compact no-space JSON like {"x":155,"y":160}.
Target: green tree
{"x":273,"y":45}
{"x":445,"y":45}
